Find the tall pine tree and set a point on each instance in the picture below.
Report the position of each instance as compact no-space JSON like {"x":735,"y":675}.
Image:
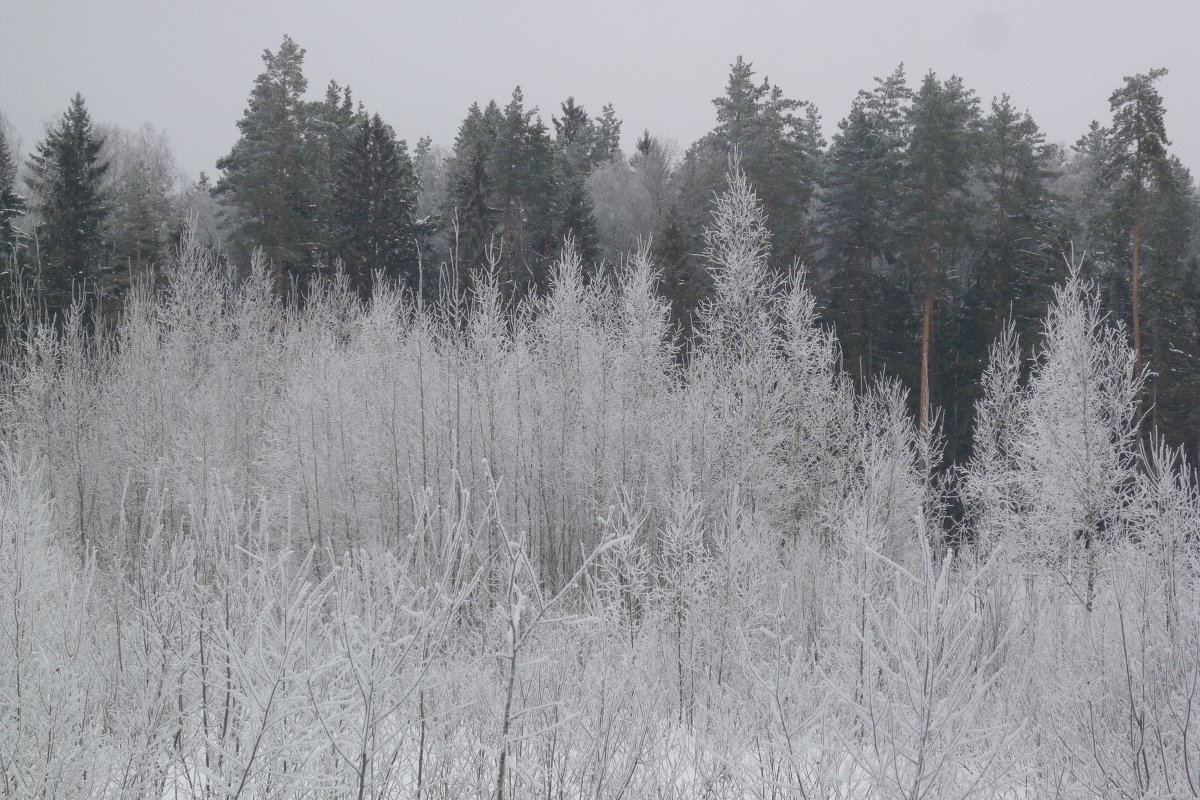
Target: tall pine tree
{"x":1137,"y":161}
{"x":941,"y":153}
{"x":267,"y":177}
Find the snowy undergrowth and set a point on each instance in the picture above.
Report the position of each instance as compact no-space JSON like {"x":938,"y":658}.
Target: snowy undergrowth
{"x":402,"y":551}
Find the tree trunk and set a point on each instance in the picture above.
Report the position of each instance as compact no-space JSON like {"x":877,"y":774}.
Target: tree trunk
{"x":926,"y":335}
{"x":1137,"y":311}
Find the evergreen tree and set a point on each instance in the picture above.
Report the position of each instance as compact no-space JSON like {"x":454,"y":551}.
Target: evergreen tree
{"x":1137,"y":160}
{"x":1015,"y":259}
{"x":1088,"y":220}
{"x":65,"y":176}
{"x":504,"y":196}
{"x":941,"y":152}
{"x":375,"y":204}
{"x":332,"y":124}
{"x":1015,"y":273}
{"x":654,"y":162}
{"x":860,"y":215}
{"x":12,"y":205}
{"x":1171,"y":305}
{"x":471,"y":208}
{"x":267,"y":178}
{"x":608,"y":136}
{"x":521,"y":168}
{"x":582,"y":145}
{"x":780,"y":147}
{"x":143,"y":173}
{"x":685,"y":282}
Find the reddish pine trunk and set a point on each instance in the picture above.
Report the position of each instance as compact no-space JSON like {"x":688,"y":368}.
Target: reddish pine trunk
{"x":1137,"y":312}
{"x":926,"y":335}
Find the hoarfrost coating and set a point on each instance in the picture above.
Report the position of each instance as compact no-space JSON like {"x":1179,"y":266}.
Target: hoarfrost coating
{"x":402,"y":549}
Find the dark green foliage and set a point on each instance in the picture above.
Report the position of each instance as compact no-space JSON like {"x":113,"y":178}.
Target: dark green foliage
{"x":1138,"y":140}
{"x":267,"y":178}
{"x":1015,"y":263}
{"x":375,"y":203}
{"x":861,"y":212}
{"x":684,"y":280}
{"x":582,"y":144}
{"x":942,"y":149}
{"x":1136,"y":162}
{"x":1171,"y":308}
{"x":332,"y":124}
{"x":12,"y":205}
{"x":779,"y":144}
{"x":471,"y":211}
{"x":515,"y":193}
{"x":522,"y":173}
{"x":143,"y":214}
{"x":65,"y":175}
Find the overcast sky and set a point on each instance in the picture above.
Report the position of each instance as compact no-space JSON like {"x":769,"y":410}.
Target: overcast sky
{"x":187,"y":67}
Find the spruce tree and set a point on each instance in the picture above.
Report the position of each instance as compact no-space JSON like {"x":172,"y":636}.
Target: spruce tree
{"x":65,"y":176}
{"x":471,"y":209}
{"x":375,"y":204}
{"x":1171,"y":309}
{"x":12,"y":205}
{"x":521,"y":168}
{"x":861,"y":193}
{"x":683,"y":281}
{"x":332,"y":124}
{"x":581,"y":145}
{"x":608,"y":135}
{"x":1013,"y":263}
{"x":267,"y":176}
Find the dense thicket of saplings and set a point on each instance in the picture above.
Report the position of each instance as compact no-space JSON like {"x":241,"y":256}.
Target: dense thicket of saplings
{"x":455,"y":549}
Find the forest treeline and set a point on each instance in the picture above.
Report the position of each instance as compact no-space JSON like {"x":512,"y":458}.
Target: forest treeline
{"x":929,"y":220}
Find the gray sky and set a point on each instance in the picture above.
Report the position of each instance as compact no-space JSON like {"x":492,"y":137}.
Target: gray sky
{"x":187,"y":67}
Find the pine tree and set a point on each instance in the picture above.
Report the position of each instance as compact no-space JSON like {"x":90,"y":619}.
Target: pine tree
{"x":375,"y":204}
{"x":65,"y":176}
{"x":1137,"y":160}
{"x":608,"y":135}
{"x":267,"y":178}
{"x":941,"y":153}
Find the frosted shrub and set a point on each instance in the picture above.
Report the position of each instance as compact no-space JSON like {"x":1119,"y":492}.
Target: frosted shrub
{"x":472,"y":549}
